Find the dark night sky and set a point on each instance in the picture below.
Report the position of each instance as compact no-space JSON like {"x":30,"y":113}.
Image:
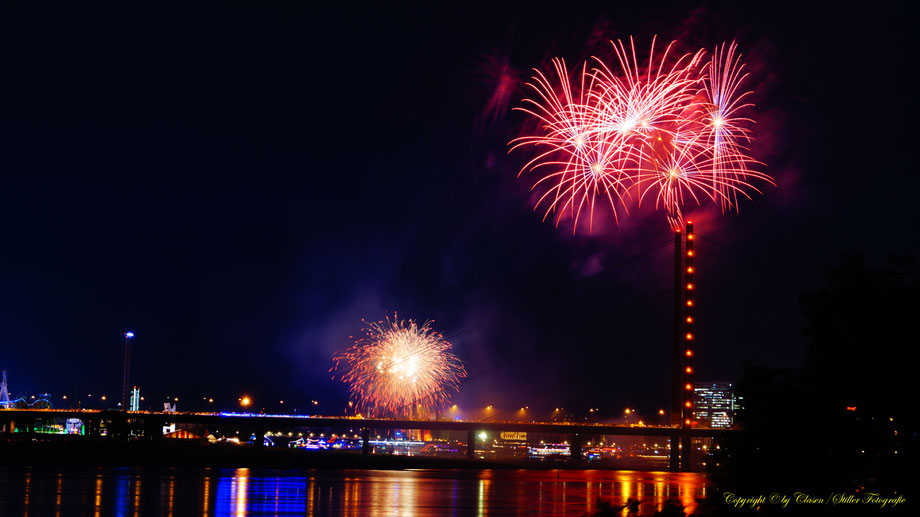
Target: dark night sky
{"x":242,"y":186}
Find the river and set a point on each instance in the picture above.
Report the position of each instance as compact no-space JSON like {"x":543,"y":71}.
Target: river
{"x":143,"y":491}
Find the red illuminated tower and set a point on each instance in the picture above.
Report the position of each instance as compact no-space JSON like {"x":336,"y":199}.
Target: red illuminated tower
{"x":682,"y":351}
{"x":677,"y":359}
{"x":688,"y":289}
{"x":688,"y":339}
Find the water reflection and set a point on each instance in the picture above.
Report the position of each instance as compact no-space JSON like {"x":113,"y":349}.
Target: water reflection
{"x":57,"y":495}
{"x":122,"y":484}
{"x":97,"y":506}
{"x":205,"y":495}
{"x":28,"y":490}
{"x":338,"y":492}
{"x":136,"y":501}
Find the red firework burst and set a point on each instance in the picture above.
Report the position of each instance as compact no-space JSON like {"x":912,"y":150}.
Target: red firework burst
{"x":672,"y":130}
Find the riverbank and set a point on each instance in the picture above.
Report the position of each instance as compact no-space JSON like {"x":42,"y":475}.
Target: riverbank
{"x":182,"y":453}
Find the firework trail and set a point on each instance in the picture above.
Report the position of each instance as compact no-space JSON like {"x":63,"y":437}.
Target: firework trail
{"x":672,"y":131}
{"x":398,"y":366}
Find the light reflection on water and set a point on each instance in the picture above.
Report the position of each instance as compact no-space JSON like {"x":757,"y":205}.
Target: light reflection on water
{"x":122,"y":492}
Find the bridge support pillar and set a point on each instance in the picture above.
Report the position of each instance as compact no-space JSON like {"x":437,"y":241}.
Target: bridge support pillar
{"x":260,"y":435}
{"x":119,"y":426}
{"x":685,"y":448}
{"x":90,"y":426}
{"x":575,"y":446}
{"x":365,"y":441}
{"x":153,"y":428}
{"x":471,"y":444}
{"x":674,"y":453}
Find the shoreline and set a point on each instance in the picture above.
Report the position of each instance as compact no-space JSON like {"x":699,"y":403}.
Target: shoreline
{"x":197,"y":455}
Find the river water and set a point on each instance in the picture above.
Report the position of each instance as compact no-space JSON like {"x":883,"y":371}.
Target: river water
{"x":146,"y":491}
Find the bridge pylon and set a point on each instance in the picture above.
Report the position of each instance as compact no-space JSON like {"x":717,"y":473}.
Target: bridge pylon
{"x":682,"y":351}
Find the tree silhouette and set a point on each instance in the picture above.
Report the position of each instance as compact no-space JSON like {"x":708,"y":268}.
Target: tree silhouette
{"x":846,"y":421}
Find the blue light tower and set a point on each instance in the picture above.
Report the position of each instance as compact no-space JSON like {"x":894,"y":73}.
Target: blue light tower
{"x":129,"y":336}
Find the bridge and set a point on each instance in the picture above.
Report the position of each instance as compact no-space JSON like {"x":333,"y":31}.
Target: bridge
{"x":117,"y":423}
{"x":681,"y":430}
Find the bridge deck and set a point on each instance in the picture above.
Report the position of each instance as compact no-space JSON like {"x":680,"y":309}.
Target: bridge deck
{"x":265,"y":420}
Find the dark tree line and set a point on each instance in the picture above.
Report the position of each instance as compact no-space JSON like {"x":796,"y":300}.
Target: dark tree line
{"x":847,"y":421}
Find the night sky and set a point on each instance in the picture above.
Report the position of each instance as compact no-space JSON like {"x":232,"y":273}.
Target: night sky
{"x":241,"y":186}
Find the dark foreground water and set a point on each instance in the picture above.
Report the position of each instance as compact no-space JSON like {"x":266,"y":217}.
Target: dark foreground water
{"x":144,"y":491}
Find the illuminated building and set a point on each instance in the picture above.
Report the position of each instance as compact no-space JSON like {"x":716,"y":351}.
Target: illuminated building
{"x":135,"y":399}
{"x":511,"y":444}
{"x":4,"y":393}
{"x":715,"y":403}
